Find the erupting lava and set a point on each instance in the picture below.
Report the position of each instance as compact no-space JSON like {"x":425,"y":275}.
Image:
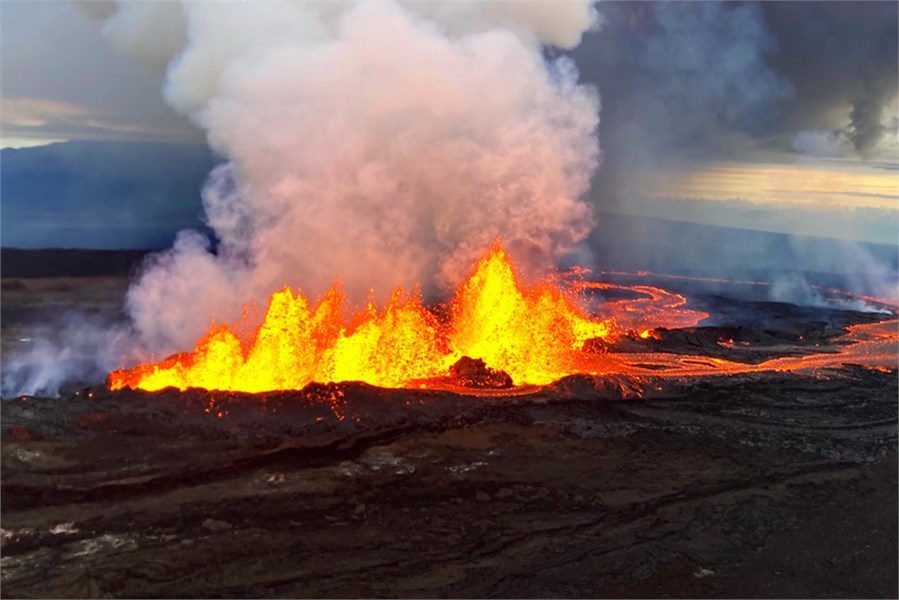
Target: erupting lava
{"x":535,"y":334}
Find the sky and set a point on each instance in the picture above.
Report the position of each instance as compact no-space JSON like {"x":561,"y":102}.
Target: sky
{"x":778,"y":116}
{"x":60,"y":79}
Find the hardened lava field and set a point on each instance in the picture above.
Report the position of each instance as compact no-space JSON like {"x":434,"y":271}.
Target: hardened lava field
{"x":681,"y":477}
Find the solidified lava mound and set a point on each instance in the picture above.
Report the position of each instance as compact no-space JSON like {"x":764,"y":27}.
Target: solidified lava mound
{"x":474,"y":373}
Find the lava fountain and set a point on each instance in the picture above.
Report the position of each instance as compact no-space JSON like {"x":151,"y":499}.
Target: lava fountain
{"x":535,"y":333}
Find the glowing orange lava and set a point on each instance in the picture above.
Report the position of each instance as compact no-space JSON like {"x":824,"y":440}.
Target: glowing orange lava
{"x":534,"y":333}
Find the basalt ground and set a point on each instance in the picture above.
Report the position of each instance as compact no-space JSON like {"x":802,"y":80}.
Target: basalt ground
{"x":762,"y":484}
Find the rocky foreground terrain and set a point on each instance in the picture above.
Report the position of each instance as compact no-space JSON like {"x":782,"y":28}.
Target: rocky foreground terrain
{"x":762,"y":484}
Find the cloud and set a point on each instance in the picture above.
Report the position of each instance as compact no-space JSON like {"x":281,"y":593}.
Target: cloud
{"x":36,"y":112}
{"x":842,"y":59}
{"x":53,"y":58}
{"x":685,"y":76}
{"x":49,"y":119}
{"x":150,"y":32}
{"x":817,"y":142}
{"x":720,"y":80}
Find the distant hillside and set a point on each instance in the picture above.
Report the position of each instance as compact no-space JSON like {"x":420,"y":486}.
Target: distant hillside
{"x":632,"y":243}
{"x":100,"y":194}
{"x":57,"y":262}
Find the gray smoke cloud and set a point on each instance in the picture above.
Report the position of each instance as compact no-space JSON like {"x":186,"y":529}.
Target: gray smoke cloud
{"x":682,"y":75}
{"x":692,"y":80}
{"x":708,"y":63}
{"x":372,"y":143}
{"x":843,"y":61}
{"x":866,"y":129}
{"x":681,"y":81}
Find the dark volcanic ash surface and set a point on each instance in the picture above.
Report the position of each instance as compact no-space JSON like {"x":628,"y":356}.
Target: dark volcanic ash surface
{"x":762,"y":484}
{"x":757,"y":485}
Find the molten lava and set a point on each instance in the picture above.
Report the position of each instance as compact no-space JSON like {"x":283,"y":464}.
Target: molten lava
{"x":536,"y":334}
{"x":533,"y":333}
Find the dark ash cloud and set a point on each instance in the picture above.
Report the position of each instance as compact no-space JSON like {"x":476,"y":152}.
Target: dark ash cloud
{"x":842,"y":59}
{"x":728,"y":79}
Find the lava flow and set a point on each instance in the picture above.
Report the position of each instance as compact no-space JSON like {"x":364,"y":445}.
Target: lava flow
{"x":536,"y":334}
{"x":533,"y":333}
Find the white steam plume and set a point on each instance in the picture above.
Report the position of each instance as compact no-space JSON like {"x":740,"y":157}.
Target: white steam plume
{"x":377,"y":143}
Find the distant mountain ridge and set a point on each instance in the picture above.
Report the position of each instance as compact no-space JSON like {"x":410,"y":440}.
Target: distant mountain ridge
{"x":91,"y":194}
{"x":69,"y":262}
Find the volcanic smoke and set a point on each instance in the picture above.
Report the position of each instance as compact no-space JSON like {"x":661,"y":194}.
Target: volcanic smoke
{"x":374,"y":144}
